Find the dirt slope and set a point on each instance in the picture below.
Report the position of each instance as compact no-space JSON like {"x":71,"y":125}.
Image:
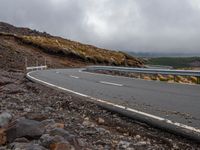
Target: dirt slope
{"x":16,"y":44}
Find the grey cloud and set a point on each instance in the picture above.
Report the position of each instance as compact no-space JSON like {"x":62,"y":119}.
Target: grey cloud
{"x":134,"y":25}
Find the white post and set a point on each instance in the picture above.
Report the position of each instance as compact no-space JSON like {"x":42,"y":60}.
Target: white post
{"x":26,"y":65}
{"x":36,"y":64}
{"x":45,"y":62}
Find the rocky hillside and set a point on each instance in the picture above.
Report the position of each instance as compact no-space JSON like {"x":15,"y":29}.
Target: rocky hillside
{"x":36,"y":45}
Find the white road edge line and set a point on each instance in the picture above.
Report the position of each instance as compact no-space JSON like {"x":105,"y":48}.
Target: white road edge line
{"x":74,"y":77}
{"x":110,"y":83}
{"x":119,"y":106}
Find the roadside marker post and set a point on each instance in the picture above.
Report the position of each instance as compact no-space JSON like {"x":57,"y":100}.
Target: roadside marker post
{"x":45,"y":61}
{"x":26,"y":64}
{"x":36,"y":64}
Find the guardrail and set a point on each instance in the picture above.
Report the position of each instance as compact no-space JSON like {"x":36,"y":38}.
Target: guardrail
{"x":36,"y":68}
{"x":148,"y":71}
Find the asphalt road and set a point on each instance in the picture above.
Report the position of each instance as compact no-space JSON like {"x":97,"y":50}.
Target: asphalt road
{"x":176,"y":102}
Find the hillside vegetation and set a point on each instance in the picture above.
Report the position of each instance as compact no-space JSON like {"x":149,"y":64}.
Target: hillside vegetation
{"x":12,"y":37}
{"x":86,"y":53}
{"x":176,"y":62}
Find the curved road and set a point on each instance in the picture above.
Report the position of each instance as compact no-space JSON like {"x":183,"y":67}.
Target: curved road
{"x":176,"y":102}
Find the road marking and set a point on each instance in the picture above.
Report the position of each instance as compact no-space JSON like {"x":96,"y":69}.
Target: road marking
{"x":183,"y":126}
{"x":74,"y":77}
{"x":110,"y":83}
{"x":57,"y":72}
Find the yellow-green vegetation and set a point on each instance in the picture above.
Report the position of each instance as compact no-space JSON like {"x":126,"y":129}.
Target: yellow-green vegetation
{"x":84,"y":52}
{"x":162,"y":78}
{"x":166,"y":78}
{"x":179,"y":79}
{"x":193,"y":79}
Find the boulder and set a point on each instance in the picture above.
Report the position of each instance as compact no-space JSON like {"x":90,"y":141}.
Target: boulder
{"x":29,"y":129}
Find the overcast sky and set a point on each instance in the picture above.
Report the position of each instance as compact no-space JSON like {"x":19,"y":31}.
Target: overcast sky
{"x":129,"y":25}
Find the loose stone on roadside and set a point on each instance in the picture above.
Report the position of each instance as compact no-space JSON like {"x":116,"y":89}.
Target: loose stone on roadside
{"x":5,"y":118}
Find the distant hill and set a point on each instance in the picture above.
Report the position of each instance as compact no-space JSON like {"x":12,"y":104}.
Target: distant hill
{"x":160,"y":54}
{"x":176,"y":62}
{"x":18,"y":43}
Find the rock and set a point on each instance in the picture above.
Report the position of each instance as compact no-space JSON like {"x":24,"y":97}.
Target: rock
{"x":81,"y":142}
{"x":102,"y":131}
{"x":21,"y":140}
{"x":2,"y":136}
{"x":88,"y":123}
{"x":141,"y":143}
{"x":100,"y":142}
{"x":175,"y":146}
{"x":27,"y":110}
{"x":47,"y":122}
{"x":137,"y":136}
{"x":13,"y":89}
{"x":67,"y":137}
{"x":5,"y":81}
{"x":48,"y":109}
{"x":3,"y":148}
{"x":123,"y":145}
{"x":36,"y":116}
{"x":61,"y":146}
{"x":61,"y":132}
{"x":50,"y":124}
{"x":59,"y":125}
{"x":26,"y":146}
{"x":46,"y":140}
{"x":101,"y":120}
{"x":77,"y":143}
{"x":5,"y":118}
{"x":59,"y":143}
{"x":30,"y":129}
{"x":90,"y":132}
